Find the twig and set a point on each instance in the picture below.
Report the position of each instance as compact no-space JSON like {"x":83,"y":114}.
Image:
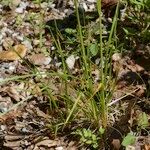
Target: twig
{"x":14,"y":106}
{"x":118,"y":99}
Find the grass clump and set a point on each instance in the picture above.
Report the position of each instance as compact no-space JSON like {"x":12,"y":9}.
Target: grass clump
{"x":85,"y":100}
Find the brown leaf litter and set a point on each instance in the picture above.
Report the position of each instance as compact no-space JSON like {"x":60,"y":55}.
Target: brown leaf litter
{"x":108,"y":3}
{"x":39,"y":59}
{"x":15,"y":53}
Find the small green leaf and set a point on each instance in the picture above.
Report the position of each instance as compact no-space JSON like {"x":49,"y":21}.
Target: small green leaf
{"x":129,"y":140}
{"x":83,"y":139}
{"x":93,"y":49}
{"x":94,"y":137}
{"x":95,"y":145}
{"x":86,"y":134}
{"x":101,"y":130}
{"x":70,"y":31}
{"x":126,"y":31}
{"x":143,"y":120}
{"x":88,"y":142}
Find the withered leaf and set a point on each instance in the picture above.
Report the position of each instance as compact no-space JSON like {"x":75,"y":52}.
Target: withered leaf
{"x":107,"y":3}
{"x":39,"y":59}
{"x":15,"y":53}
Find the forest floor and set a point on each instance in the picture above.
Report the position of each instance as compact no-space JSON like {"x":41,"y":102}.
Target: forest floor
{"x":62,"y":88}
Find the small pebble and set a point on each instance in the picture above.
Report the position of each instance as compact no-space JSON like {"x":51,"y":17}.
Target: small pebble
{"x":70,"y":61}
{"x":116,"y":57}
{"x":27,"y":44}
{"x":53,"y":48}
{"x":19,"y":10}
{"x":85,"y":6}
{"x":3,"y":127}
{"x":91,"y":1}
{"x":59,"y":148}
{"x":21,"y":7}
{"x":58,"y":64}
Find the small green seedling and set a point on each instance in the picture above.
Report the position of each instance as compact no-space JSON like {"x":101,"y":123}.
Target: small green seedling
{"x":89,"y":138}
{"x":143,"y":120}
{"x":128,"y":140}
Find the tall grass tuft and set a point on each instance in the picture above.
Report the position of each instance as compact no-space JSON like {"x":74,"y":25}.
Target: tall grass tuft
{"x":98,"y":110}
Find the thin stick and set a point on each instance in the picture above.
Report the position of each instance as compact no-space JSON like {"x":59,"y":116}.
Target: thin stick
{"x":15,"y":106}
{"x":118,"y":99}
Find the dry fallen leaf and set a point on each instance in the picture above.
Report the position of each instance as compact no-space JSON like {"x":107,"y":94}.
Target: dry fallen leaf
{"x":116,"y":144}
{"x":14,"y":137}
{"x":47,"y":143}
{"x":12,"y":92}
{"x":39,"y":59}
{"x":15,"y":53}
{"x":108,"y":3}
{"x":10,"y":115}
{"x":8,"y":42}
{"x":12,"y":144}
{"x":146,"y":147}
